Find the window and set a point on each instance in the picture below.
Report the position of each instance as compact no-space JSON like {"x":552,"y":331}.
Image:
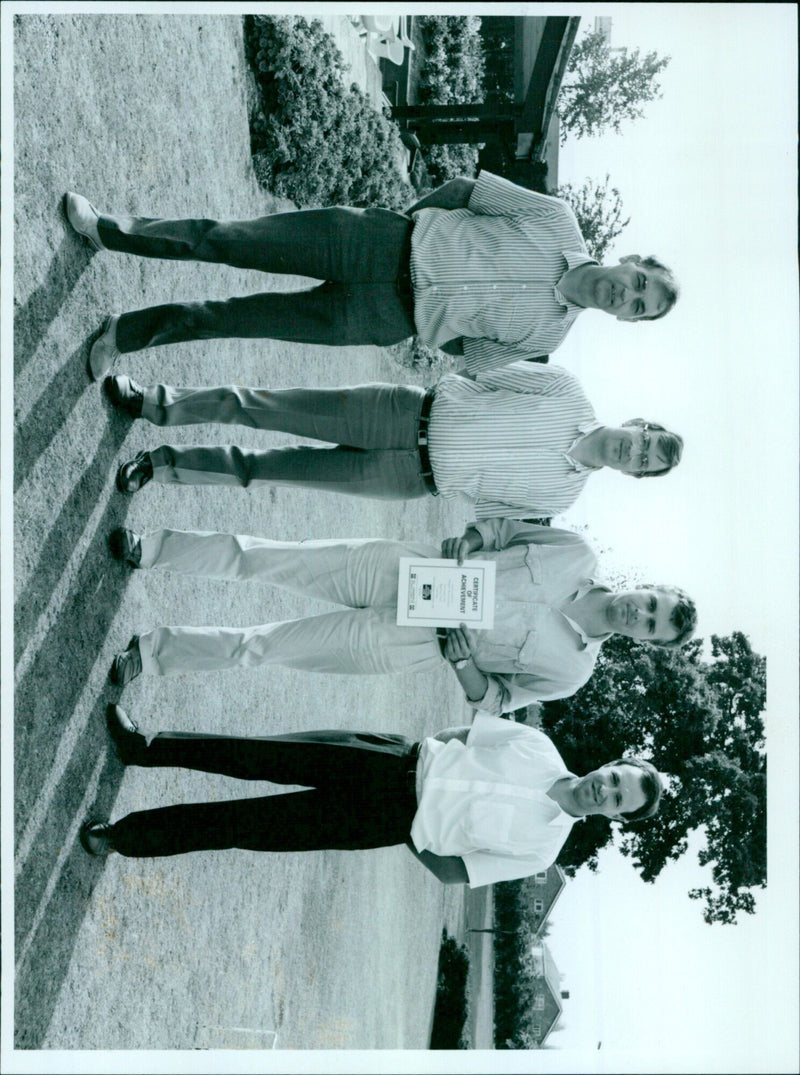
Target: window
{"x":538,"y":906}
{"x":537,"y":1030}
{"x":541,"y":878}
{"x":538,"y":1002}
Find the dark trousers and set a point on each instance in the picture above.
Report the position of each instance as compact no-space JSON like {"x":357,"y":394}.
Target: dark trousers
{"x":363,"y":794}
{"x":363,"y":255}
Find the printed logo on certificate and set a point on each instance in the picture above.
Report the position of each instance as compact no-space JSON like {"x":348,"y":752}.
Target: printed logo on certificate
{"x":440,"y":593}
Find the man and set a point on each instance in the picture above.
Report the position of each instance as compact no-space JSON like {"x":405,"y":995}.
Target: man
{"x":551,"y":613}
{"x":482,"y":268}
{"x":475,"y":805}
{"x":521,"y":440}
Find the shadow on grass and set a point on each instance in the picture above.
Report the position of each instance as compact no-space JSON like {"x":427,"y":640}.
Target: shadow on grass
{"x":46,"y":962}
{"x":452,"y":997}
{"x":63,"y":537}
{"x":33,"y":317}
{"x":33,"y":436}
{"x":47,"y":694}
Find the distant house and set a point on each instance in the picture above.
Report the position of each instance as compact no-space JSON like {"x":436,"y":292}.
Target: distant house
{"x":547,"y":887}
{"x":547,"y":994}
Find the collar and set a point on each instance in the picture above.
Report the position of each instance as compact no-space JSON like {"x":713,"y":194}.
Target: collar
{"x":583,"y":588}
{"x":573,"y":258}
{"x":583,"y":431}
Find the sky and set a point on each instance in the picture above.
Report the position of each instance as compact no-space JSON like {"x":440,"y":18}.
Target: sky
{"x":708,"y":177}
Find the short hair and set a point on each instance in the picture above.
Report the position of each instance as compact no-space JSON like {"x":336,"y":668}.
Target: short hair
{"x":652,"y":786}
{"x":672,"y":444}
{"x":683,"y":618}
{"x":671,"y":286}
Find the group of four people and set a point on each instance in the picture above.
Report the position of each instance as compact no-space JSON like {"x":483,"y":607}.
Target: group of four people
{"x":482,"y":269}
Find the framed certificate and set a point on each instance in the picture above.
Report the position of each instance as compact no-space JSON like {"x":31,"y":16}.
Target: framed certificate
{"x":440,"y":593}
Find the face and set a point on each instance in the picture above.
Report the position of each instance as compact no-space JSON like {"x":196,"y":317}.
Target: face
{"x":643,"y":615}
{"x":611,"y":790}
{"x":628,"y":291}
{"x":634,"y":450}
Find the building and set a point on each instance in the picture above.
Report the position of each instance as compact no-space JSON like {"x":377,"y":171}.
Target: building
{"x":547,"y":887}
{"x":518,"y":132}
{"x":547,"y":993}
{"x":602,"y":25}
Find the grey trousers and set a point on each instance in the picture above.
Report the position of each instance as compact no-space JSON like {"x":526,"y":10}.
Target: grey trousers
{"x":363,"y":255}
{"x":360,"y":639}
{"x":374,"y":427}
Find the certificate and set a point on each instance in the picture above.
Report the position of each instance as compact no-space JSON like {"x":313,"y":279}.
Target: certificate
{"x":440,"y":593}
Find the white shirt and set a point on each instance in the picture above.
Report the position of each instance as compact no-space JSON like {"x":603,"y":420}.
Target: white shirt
{"x":489,"y":273}
{"x":487,"y":801}
{"x":504,"y":440}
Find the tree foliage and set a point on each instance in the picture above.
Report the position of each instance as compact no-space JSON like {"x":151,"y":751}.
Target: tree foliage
{"x":605,"y":86}
{"x":599,"y":212}
{"x":700,"y":722}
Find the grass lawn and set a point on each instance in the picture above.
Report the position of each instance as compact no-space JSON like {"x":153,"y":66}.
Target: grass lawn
{"x":147,"y":114}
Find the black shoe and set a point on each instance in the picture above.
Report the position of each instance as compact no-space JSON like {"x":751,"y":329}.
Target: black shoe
{"x":126,"y":545}
{"x":96,"y":837}
{"x":137,"y":472}
{"x":126,"y":665}
{"x":130,"y":744}
{"x":125,"y":393}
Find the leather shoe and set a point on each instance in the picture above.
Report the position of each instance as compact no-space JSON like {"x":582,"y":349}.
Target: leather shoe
{"x":103,"y":353}
{"x":126,"y":665}
{"x":82,"y":216}
{"x":125,"y":393}
{"x":137,"y":472}
{"x":96,"y":837}
{"x":126,"y":545}
{"x":130,"y":744}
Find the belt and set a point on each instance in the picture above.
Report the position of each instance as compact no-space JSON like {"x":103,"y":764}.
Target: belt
{"x":411,"y":774}
{"x":422,"y":442}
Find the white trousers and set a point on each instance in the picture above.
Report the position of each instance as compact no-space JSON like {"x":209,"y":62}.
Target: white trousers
{"x":362,"y":638}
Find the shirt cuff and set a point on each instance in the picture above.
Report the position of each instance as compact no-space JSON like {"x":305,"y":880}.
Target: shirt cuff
{"x":492,"y":701}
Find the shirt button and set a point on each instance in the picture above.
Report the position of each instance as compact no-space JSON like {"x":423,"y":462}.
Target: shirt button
{"x":494,"y":287}
{"x":464,"y":287}
{"x":524,"y":286}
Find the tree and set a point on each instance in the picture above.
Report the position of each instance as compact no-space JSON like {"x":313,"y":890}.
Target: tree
{"x":604,"y":86}
{"x":699,"y":721}
{"x":599,"y":213}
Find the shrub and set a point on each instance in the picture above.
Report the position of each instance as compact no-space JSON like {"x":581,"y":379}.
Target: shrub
{"x":313,"y":140}
{"x":453,"y":74}
{"x":452,"y":996}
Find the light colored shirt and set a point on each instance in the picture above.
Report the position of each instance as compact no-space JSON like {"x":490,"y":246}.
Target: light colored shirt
{"x":504,"y":440}
{"x":487,"y":801}
{"x":536,"y":651}
{"x":490,"y":272}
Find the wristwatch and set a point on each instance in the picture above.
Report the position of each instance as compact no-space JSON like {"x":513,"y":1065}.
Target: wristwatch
{"x":462,"y":662}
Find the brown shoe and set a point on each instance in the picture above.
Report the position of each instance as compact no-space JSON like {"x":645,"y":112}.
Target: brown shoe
{"x":137,"y":472}
{"x":96,"y":837}
{"x":126,"y":665}
{"x":125,"y":394}
{"x":125,"y":545}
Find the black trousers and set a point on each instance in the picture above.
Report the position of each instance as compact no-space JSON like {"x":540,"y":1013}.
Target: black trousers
{"x":363,"y":794}
{"x":363,"y":255}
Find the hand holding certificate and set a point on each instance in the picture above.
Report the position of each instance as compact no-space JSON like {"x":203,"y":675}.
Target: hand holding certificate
{"x":444,"y":593}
